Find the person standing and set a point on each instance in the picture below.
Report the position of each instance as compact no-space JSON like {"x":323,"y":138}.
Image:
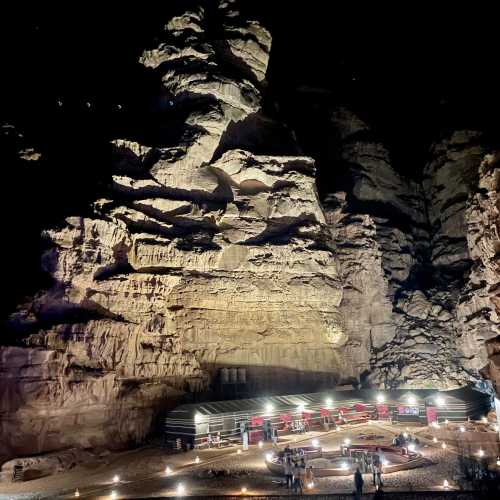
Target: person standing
{"x":374,"y":470}
{"x":379,"y":476}
{"x":274,"y":435}
{"x":288,"y":469}
{"x":358,"y":482}
{"x":309,"y":479}
{"x":297,"y":482}
{"x":244,"y":434}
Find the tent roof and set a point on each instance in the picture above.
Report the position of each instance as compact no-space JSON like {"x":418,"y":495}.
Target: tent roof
{"x":316,"y":400}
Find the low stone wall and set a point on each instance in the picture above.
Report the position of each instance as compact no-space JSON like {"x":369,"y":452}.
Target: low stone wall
{"x":45,"y":465}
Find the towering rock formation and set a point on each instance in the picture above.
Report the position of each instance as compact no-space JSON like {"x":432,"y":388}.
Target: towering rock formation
{"x":400,"y":333}
{"x":202,"y":256}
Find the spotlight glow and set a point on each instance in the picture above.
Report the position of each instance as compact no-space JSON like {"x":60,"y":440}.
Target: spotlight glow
{"x":269,"y":457}
{"x":116,"y":478}
{"x":328,"y":401}
{"x":310,"y":485}
{"x":344,"y":466}
{"x":443,"y":445}
{"x":114,"y":495}
{"x":269,"y":408}
{"x":261,"y":444}
{"x":405,"y":435}
{"x":197,"y":460}
{"x":380,"y":398}
{"x":347,"y":441}
{"x":434,"y":439}
{"x":244,"y":490}
{"x":315,"y":443}
{"x":198,"y":418}
{"x":446,"y":484}
{"x":168,"y":470}
{"x":385,"y":462}
{"x":440,"y":401}
{"x":481,"y":452}
{"x":411,"y":448}
{"x":238,"y":452}
{"x":446,"y":422}
{"x":484,"y":420}
{"x":462,"y":428}
{"x":77,"y":493}
{"x":411,"y":399}
{"x":181,"y":490}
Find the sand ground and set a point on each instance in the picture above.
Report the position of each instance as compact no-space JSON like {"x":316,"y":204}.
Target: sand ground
{"x":142,"y":471}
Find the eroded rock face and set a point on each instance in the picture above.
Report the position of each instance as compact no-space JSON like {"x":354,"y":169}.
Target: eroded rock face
{"x":195,"y":261}
{"x":478,"y":311}
{"x":403,"y":257}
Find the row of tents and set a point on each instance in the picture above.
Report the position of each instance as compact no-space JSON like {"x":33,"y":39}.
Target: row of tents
{"x":196,"y":423}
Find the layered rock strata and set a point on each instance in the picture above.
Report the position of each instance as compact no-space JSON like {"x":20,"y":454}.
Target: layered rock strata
{"x":202,"y":256}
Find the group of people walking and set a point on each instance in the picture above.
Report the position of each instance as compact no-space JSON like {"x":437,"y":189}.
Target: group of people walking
{"x":376,"y":471}
{"x":297,"y":473}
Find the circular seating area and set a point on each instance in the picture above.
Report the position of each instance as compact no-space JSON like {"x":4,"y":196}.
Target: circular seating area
{"x":343,"y":462}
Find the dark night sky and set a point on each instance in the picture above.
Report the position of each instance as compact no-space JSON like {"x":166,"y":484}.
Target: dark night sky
{"x":411,"y":72}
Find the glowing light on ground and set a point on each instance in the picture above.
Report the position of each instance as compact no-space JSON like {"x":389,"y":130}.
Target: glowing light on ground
{"x":446,"y":484}
{"x":244,"y":490}
{"x":238,"y":452}
{"x":269,"y":408}
{"x":181,"y":489}
{"x":347,"y":441}
{"x":443,"y":446}
{"x":328,"y":401}
{"x":114,"y":495}
{"x":481,"y":452}
{"x":315,"y":443}
{"x":269,"y":457}
{"x":197,"y":460}
{"x":434,"y":439}
{"x":462,"y":428}
{"x":261,"y":444}
{"x":310,"y":485}
{"x":116,"y":479}
{"x":380,"y":398}
{"x":168,"y":470}
{"x":77,"y":493}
